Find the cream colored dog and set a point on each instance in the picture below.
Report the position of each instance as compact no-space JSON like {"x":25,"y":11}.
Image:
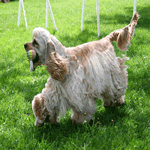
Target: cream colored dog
{"x":79,"y":75}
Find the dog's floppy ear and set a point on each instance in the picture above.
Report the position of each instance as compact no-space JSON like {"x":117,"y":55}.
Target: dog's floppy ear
{"x":123,"y":39}
{"x":56,"y":64}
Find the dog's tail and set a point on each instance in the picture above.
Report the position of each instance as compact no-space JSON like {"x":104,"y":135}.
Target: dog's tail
{"x":123,"y":36}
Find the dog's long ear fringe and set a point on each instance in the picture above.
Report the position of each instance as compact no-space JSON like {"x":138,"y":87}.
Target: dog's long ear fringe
{"x":123,"y":36}
{"x":56,"y":65}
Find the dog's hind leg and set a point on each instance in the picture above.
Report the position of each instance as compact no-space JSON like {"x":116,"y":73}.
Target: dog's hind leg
{"x":120,"y":101}
{"x":108,"y":99}
{"x":79,"y":118}
{"x":108,"y":102}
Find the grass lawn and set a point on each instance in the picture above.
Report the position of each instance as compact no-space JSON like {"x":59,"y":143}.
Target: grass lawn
{"x":125,"y":128}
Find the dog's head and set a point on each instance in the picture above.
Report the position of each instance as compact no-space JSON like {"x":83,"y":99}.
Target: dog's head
{"x":41,"y":114}
{"x":49,"y":51}
{"x":39,"y":45}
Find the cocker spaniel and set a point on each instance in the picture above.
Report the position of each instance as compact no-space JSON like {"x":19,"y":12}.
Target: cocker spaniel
{"x":79,"y":75}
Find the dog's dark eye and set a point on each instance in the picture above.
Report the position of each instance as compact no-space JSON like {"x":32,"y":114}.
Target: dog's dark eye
{"x":35,"y":43}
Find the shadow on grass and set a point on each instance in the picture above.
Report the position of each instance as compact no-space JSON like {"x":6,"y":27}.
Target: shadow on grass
{"x":86,"y":35}
{"x":110,"y":115}
{"x":103,"y":127}
{"x":144,"y":21}
{"x":141,"y":80}
{"x":61,"y":132}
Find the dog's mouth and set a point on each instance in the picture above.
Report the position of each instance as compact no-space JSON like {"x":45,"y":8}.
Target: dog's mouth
{"x":32,"y":56}
{"x":33,"y":60}
{"x":34,"y":63}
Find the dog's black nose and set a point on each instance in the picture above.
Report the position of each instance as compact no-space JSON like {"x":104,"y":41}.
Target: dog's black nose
{"x":25,"y":45}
